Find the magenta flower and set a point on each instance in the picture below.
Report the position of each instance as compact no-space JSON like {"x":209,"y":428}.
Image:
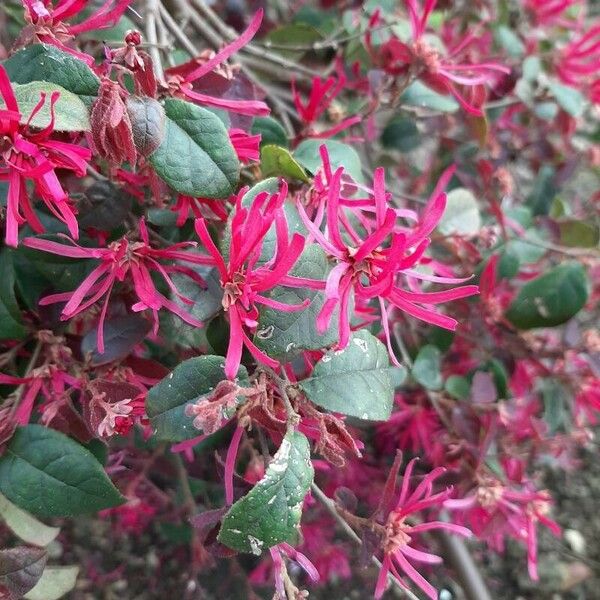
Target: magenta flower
{"x":244,"y":279}
{"x":47,"y":19}
{"x":398,"y":552}
{"x":123,"y":260}
{"x":28,"y":155}
{"x":494,"y":511}
{"x":579,"y":60}
{"x":371,"y":266}
{"x":322,"y":94}
{"x":182,"y":77}
{"x":441,"y":73}
{"x":246,"y":146}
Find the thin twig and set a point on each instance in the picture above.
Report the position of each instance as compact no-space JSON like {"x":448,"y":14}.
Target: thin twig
{"x":152,"y":8}
{"x":330,"y":506}
{"x":230,"y":35}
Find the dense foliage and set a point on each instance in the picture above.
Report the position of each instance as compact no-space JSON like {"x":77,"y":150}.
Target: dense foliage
{"x":297,"y":288}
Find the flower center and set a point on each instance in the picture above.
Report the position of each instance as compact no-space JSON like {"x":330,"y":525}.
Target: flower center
{"x":396,"y":533}
{"x":426,"y":56}
{"x":233,"y":290}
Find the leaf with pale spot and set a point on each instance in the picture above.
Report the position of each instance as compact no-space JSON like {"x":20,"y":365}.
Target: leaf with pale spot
{"x":270,"y":513}
{"x":355,"y":381}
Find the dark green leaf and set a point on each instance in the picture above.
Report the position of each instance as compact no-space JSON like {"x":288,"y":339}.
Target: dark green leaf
{"x":285,"y":334}
{"x":42,"y":62}
{"x":275,"y":160}
{"x":48,"y":474}
{"x":121,"y":335}
{"x":192,"y":379}
{"x":355,"y":381}
{"x":20,"y":569}
{"x":104,"y":206}
{"x":196,"y":156}
{"x":544,"y":191}
{"x":458,"y":387}
{"x":402,"y":134}
{"x":11,"y":326}
{"x":550,"y":299}
{"x":270,"y":513}
{"x":271,"y":132}
{"x":38,"y":273}
{"x":427,"y":367}
{"x":340,"y":154}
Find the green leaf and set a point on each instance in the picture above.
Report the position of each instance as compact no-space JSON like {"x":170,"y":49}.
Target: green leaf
{"x":48,"y":474}
{"x":569,"y":99}
{"x":579,"y":234}
{"x":190,"y":380}
{"x":532,"y":67}
{"x":42,"y":62}
{"x":275,"y":160}
{"x":71,"y":114}
{"x":196,"y":156}
{"x":54,"y":583}
{"x":285,"y":334}
{"x":458,"y":387}
{"x":11,"y":326}
{"x":418,"y":94}
{"x":550,"y":299}
{"x":427,"y":367}
{"x":402,"y":134}
{"x":509,"y":40}
{"x":462,"y":215}
{"x":295,"y":34}
{"x":207,"y":303}
{"x":24,"y":526}
{"x":355,"y":381}
{"x":270,"y":513}
{"x":556,"y":405}
{"x":271,"y":132}
{"x":37,"y":273}
{"x":544,"y":191}
{"x":340,"y":154}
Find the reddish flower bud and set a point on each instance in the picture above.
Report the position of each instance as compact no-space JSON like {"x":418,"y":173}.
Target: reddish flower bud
{"x":111,"y":131}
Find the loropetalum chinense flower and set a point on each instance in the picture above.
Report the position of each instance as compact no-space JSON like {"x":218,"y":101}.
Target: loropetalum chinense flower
{"x":181,"y":79}
{"x":47,"y":21}
{"x":442,"y":73}
{"x":122,"y":260}
{"x":246,"y":278}
{"x":495,"y":510}
{"x":403,"y":523}
{"x":373,"y":254}
{"x":28,"y":154}
{"x":578,"y":63}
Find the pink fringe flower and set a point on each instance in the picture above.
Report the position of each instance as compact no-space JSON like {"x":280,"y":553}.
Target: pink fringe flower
{"x":28,"y":155}
{"x":398,"y":544}
{"x":244,"y":278}
{"x":370,"y":266}
{"x":121,"y":260}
